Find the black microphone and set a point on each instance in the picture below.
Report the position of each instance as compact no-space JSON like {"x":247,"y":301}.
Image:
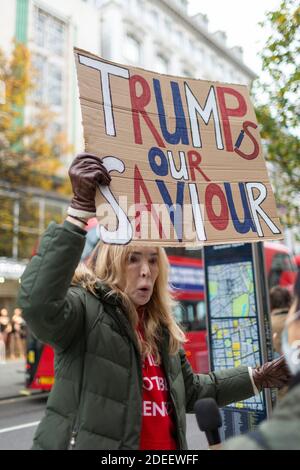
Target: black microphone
{"x":209,"y":419}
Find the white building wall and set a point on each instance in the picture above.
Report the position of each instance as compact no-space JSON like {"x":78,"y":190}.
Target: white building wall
{"x":7,"y":23}
{"x":82,"y":29}
{"x":164,"y":31}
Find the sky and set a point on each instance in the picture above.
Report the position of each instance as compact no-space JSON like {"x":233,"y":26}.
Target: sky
{"x":239,"y":19}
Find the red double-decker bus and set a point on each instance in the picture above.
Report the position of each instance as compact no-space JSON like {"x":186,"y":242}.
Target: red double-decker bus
{"x":187,"y":284}
{"x":39,"y":364}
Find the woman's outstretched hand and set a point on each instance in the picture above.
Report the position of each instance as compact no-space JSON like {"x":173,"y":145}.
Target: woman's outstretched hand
{"x":271,"y":374}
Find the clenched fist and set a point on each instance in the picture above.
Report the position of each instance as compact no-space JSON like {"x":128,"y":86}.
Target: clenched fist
{"x":86,"y":172}
{"x":271,"y":374}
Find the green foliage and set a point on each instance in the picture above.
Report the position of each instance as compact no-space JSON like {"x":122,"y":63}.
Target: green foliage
{"x":281,"y":60}
{"x":279,"y":114}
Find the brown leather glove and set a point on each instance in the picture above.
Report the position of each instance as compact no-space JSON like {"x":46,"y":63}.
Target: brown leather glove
{"x":271,"y":374}
{"x":86,"y":172}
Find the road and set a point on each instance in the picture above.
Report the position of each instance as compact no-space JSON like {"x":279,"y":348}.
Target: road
{"x":19,"y":418}
{"x":18,"y":421}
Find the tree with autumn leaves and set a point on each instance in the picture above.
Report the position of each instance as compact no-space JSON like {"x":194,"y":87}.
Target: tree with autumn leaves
{"x":278,"y":112}
{"x":28,"y":156}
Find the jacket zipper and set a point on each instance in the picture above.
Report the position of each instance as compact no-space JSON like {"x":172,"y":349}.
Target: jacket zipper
{"x":72,"y":441}
{"x":75,"y":424}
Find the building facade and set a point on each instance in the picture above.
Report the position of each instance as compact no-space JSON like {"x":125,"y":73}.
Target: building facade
{"x":51,"y":28}
{"x":154,"y":34}
{"x":25,"y":214}
{"x":159,"y":35}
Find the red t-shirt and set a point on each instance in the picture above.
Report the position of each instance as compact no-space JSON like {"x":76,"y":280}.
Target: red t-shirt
{"x":158,"y":422}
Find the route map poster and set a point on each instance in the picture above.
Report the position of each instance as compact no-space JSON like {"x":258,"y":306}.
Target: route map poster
{"x":234,"y":326}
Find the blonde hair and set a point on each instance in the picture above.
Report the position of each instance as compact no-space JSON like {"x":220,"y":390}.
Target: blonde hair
{"x":107,"y":264}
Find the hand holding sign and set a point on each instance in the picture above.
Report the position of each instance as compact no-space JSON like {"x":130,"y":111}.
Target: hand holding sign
{"x":86,"y":172}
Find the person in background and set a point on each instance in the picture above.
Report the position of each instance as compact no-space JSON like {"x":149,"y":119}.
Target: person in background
{"x":280,"y":303}
{"x":5,"y":330}
{"x":19,"y":334}
{"x":122,"y":380}
{"x":282,"y":431}
{"x":2,"y":342}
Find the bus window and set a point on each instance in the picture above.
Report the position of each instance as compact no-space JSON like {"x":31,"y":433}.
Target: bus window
{"x":191,"y":315}
{"x":282,"y":269}
{"x":201,"y":314}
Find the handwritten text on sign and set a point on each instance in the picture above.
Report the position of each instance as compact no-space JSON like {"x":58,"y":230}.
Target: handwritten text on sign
{"x":185,"y":157}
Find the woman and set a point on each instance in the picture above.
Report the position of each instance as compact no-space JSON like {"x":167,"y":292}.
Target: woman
{"x":122,"y":380}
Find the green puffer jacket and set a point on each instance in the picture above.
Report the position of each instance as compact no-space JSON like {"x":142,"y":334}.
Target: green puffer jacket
{"x":281,"y":432}
{"x":97,"y":396}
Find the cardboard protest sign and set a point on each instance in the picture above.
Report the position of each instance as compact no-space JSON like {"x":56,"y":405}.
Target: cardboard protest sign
{"x":185,"y":157}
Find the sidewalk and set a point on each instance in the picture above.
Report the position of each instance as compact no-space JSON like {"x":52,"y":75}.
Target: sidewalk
{"x":12,"y":378}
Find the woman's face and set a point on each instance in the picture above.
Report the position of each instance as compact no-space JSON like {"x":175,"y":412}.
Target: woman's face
{"x":140,"y":274}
